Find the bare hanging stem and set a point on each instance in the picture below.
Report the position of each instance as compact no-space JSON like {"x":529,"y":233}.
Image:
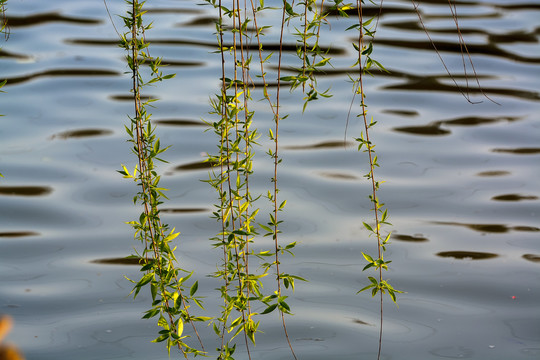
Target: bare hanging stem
{"x":464,"y":50}
{"x":275,"y":179}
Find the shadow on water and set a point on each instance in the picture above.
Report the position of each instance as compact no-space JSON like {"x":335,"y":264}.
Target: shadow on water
{"x":322,"y":145}
{"x":467,"y":255}
{"x":61,"y":73}
{"x":435,"y":128}
{"x":532,"y":257}
{"x":197,"y":165}
{"x":129,"y":260}
{"x":183,"y":210}
{"x":25,"y":190}
{"x":179,"y":122}
{"x":44,"y":18}
{"x":291,"y":48}
{"x":409,"y":238}
{"x":494,"y":173}
{"x":82,"y":133}
{"x":130,"y":97}
{"x":518,"y":151}
{"x":514,"y":197}
{"x":490,"y":228}
{"x":338,"y":176}
{"x":18,"y":234}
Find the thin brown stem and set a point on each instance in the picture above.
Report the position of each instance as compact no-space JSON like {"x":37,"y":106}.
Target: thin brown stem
{"x":276,"y":162}
{"x":464,"y":49}
{"x":369,"y":146}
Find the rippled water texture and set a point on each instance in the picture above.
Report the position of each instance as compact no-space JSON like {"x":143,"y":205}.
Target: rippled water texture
{"x":461,"y":183}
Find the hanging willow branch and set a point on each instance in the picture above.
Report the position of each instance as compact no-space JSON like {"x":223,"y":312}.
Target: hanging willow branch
{"x":170,"y":299}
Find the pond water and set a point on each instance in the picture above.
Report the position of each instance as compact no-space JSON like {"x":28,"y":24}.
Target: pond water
{"x":461,"y":184}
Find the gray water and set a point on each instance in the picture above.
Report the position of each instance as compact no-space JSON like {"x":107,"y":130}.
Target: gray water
{"x":461,"y":184}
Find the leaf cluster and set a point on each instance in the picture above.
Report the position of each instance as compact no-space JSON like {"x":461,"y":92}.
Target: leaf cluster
{"x":167,"y":281}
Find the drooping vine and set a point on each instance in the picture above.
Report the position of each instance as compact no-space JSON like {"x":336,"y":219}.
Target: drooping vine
{"x":171,"y":300}
{"x":241,"y":269}
{"x":233,"y":165}
{"x":364,"y":48}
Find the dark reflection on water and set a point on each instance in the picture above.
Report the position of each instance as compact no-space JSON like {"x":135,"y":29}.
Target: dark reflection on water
{"x":467,"y":255}
{"x":417,"y":82}
{"x":506,"y":38}
{"x":433,"y":84}
{"x":7,"y":54}
{"x":484,"y":49}
{"x":519,"y":151}
{"x":532,"y":257}
{"x":130,"y":97}
{"x":179,"y":122}
{"x":176,"y":63}
{"x":338,"y":176}
{"x":476,"y":120}
{"x":523,"y":6}
{"x":174,"y":10}
{"x":61,"y":73}
{"x":17,"y":234}
{"x":493,"y":173}
{"x":409,"y":238}
{"x":200,"y":21}
{"x":43,"y":18}
{"x":526,"y":228}
{"x":514,"y":197}
{"x":183,"y":210}
{"x":82,"y":133}
{"x":198,"y":165}
{"x":434,"y":128}
{"x":491,"y":228}
{"x":25,"y":190}
{"x":370,"y":11}
{"x":402,"y":112}
{"x":206,"y":44}
{"x":323,"y":145}
{"x":118,"y":261}
{"x":361,"y":322}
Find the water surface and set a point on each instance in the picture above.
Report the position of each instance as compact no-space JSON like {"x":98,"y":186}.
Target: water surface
{"x":461,"y":184}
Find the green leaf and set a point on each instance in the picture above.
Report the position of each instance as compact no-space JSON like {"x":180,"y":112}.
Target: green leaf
{"x":161,"y":338}
{"x":163,"y":323}
{"x":269,"y":309}
{"x":180,"y":326}
{"x":153,"y":290}
{"x":216,"y":329}
{"x":151,"y":313}
{"x":366,"y":225}
{"x":368,"y":258}
{"x":284,"y":305}
{"x":365,"y":288}
{"x":145,"y":279}
{"x":266,"y":228}
{"x":194,"y":288}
